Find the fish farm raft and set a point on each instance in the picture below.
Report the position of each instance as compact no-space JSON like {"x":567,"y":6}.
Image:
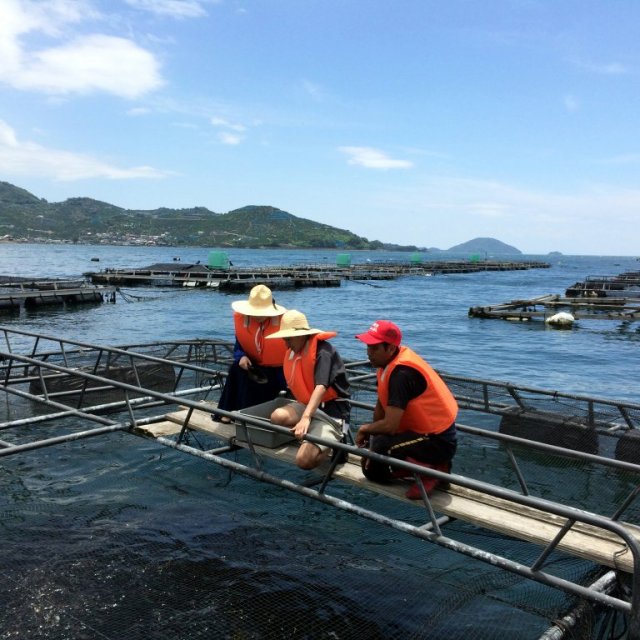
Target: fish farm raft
{"x":596,"y":298}
{"x":17,"y":293}
{"x":322,"y":275}
{"x":165,"y":393}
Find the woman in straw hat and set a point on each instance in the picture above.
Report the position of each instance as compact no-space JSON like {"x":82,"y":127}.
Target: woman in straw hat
{"x":317,"y":379}
{"x":256,"y":375}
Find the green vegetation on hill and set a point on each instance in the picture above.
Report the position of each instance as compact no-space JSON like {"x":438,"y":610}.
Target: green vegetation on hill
{"x":24,"y":216}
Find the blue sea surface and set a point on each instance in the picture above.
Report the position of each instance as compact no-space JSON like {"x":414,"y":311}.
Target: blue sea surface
{"x":598,"y":357}
{"x":115,"y":537}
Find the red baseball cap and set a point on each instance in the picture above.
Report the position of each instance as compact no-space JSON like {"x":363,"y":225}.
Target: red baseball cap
{"x":382,"y":331}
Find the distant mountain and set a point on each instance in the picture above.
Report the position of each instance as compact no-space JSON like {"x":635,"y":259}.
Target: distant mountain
{"x":24,"y":216}
{"x":482,"y":246}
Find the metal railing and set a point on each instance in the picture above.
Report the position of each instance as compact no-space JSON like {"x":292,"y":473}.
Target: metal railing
{"x":45,"y":365}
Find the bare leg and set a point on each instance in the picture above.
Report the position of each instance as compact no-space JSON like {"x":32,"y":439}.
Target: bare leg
{"x":285,"y":416}
{"x":309,"y":455}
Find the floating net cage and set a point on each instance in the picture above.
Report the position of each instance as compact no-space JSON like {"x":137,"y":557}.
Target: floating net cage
{"x":151,"y":544}
{"x":116,"y":536}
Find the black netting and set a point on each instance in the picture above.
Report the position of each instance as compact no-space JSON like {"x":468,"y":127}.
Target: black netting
{"x":114,"y":538}
{"x":118,"y":537}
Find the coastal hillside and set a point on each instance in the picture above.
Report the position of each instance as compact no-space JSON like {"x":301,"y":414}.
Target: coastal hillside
{"x":25,"y":216}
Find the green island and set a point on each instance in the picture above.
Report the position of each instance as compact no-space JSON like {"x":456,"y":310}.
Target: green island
{"x":25,"y":217}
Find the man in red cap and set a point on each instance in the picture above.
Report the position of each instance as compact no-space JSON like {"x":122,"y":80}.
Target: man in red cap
{"x":414,"y":417}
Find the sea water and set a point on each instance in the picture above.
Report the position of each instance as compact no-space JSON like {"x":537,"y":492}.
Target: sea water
{"x":114,"y":537}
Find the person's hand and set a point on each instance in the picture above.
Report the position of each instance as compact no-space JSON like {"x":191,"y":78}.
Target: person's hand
{"x":362,"y":437}
{"x":301,"y":427}
{"x":244,"y":363}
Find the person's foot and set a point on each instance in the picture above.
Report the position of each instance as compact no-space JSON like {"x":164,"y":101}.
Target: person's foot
{"x":225,"y":420}
{"x":429,"y":484}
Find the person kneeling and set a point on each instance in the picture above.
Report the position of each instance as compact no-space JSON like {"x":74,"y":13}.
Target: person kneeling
{"x":316,"y":377}
{"x":414,"y":416}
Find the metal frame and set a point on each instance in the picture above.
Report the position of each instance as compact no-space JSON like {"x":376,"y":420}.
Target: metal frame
{"x":606,"y":415}
{"x":39,"y":365}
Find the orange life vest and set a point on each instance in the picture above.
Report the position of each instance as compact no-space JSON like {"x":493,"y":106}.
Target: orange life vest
{"x":299,"y":369}
{"x":251,"y":335}
{"x":434,"y":410}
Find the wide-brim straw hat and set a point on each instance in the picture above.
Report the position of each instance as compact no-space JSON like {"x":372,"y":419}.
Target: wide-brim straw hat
{"x":294,"y":323}
{"x":260,"y":303}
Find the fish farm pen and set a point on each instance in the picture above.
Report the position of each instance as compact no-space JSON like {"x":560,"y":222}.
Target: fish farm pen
{"x":624,"y":285}
{"x":323,"y":275}
{"x":596,"y":298}
{"x":544,"y":307}
{"x":18,"y":293}
{"x":551,"y":551}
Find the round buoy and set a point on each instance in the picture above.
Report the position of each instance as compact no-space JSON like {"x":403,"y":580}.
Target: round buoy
{"x":561,"y":319}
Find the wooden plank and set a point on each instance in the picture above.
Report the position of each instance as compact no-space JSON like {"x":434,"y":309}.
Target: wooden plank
{"x":157,"y":429}
{"x":497,"y":514}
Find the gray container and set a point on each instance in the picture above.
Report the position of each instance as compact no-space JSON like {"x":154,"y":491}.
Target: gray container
{"x":263,"y":436}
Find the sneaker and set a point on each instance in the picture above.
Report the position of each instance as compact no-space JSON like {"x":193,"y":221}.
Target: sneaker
{"x":428,"y":483}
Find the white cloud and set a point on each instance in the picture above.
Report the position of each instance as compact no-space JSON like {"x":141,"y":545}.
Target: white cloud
{"x":314,"y":90}
{"x":18,"y":17}
{"x":441,"y":210}
{"x":488,"y":209}
{"x":172,"y":8}
{"x":138,"y":111}
{"x":225,"y":124}
{"x":19,"y":157}
{"x":610,"y":69}
{"x":231,"y":133}
{"x":373,"y":158}
{"x":81,"y":64}
{"x":229,"y":138}
{"x":571,"y":104}
{"x":623,"y":159}
{"x":92,"y":63}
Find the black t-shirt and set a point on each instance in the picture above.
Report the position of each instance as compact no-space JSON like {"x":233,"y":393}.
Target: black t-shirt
{"x":405,"y":384}
{"x":330,"y":371}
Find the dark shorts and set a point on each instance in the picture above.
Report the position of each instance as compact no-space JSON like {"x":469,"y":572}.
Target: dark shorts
{"x":422,"y":447}
{"x":338,"y":409}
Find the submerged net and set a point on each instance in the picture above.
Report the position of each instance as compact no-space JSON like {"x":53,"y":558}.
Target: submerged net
{"x":114,"y":538}
{"x":118,"y":537}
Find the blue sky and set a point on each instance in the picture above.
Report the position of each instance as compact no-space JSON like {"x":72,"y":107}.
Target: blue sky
{"x":406,"y":121}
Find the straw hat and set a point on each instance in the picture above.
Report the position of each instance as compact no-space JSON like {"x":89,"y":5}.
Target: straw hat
{"x":292,"y":324}
{"x":260,"y":303}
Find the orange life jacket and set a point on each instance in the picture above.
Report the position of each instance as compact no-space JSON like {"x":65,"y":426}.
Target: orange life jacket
{"x":299,"y":369}
{"x":251,"y":335}
{"x":434,"y":410}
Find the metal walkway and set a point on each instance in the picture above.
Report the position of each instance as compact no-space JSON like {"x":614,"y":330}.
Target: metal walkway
{"x":92,"y":382}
